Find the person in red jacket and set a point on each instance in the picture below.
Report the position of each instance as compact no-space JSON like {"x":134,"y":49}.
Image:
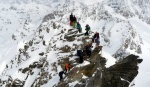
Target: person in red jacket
{"x":67,"y":67}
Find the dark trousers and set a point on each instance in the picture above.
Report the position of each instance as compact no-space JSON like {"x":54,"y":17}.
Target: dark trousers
{"x":88,"y":52}
{"x":93,"y":40}
{"x":87,"y":33}
{"x":81,"y":59}
{"x":79,"y":52}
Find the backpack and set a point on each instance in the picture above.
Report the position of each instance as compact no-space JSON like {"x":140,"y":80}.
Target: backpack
{"x":87,"y":28}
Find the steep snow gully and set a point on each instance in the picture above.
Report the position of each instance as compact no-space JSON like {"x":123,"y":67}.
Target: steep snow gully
{"x":36,"y":41}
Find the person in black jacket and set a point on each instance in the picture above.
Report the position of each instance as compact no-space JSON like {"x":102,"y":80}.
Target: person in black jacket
{"x":61,"y":74}
{"x":71,"y":19}
{"x":80,"y":54}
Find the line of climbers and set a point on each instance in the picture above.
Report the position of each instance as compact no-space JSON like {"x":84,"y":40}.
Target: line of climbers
{"x":75,"y":24}
{"x":86,"y":51}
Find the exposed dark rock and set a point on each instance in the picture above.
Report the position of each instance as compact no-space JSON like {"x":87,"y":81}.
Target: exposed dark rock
{"x":39,"y":65}
{"x":72,"y":33}
{"x":41,"y":54}
{"x":65,"y":49}
{"x":48,"y":17}
{"x":80,"y":85}
{"x":88,"y":70}
{"x":25,"y":70}
{"x":118,"y":75}
{"x":122,"y":73}
{"x":139,"y":60}
{"x":30,"y":42}
{"x":69,"y":38}
{"x":54,"y":26}
{"x":31,"y":73}
{"x":62,"y":84}
{"x":32,"y":66}
{"x":26,"y":47}
{"x":17,"y":83}
{"x":48,"y":30}
{"x":44,"y":43}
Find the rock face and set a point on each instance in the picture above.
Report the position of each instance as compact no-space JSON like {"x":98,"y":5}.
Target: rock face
{"x":122,"y":73}
{"x":77,"y":73}
{"x":118,"y":75}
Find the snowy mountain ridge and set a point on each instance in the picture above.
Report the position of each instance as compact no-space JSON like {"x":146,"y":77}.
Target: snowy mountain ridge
{"x":111,"y":18}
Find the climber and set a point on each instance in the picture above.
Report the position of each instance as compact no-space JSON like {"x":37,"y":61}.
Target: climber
{"x":80,"y":54}
{"x":88,"y":48}
{"x":97,"y":42}
{"x":79,"y":27}
{"x":81,"y":59}
{"x":71,"y":19}
{"x":74,"y":21}
{"x":96,"y":35}
{"x":61,"y":74}
{"x":87,"y":28}
{"x":67,"y":67}
{"x":84,"y":53}
{"x":96,"y":38}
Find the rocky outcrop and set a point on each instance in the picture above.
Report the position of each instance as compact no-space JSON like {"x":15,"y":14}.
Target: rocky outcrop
{"x":48,"y":17}
{"x":122,"y":73}
{"x":77,"y":73}
{"x":118,"y":75}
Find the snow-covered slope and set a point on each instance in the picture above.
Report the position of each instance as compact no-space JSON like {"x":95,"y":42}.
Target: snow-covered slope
{"x":18,"y":22}
{"x":123,"y":26}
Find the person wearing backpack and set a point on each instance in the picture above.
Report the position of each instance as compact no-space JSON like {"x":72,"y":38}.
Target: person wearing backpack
{"x":87,"y":28}
{"x":96,"y":39}
{"x":79,"y":27}
{"x":96,"y":36}
{"x":67,"y":67}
